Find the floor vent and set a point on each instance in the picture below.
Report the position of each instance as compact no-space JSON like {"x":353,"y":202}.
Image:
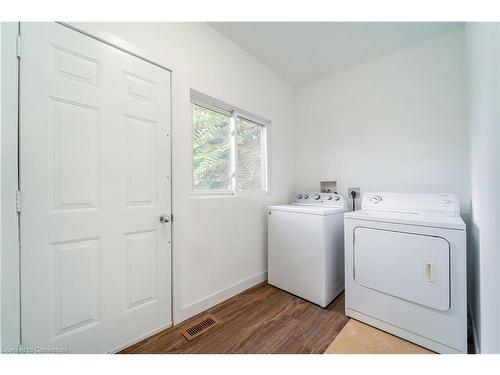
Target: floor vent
{"x":199,"y":327}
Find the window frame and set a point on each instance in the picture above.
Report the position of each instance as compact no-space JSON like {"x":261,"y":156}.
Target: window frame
{"x":202,"y":100}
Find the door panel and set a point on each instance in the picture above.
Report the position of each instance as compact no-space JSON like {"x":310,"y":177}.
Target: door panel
{"x":141,"y":272}
{"x":410,"y":266}
{"x":142,"y":168}
{"x":74,"y":142}
{"x":75,"y":66}
{"x":95,"y":178}
{"x":77,"y":285}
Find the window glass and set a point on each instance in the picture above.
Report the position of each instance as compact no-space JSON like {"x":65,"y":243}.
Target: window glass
{"x":211,"y":150}
{"x":249,"y":155}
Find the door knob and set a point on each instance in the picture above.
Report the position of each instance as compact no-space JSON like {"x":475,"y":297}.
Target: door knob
{"x":164,"y":219}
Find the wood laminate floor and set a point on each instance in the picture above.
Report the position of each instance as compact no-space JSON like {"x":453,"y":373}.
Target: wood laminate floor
{"x":262,"y":319}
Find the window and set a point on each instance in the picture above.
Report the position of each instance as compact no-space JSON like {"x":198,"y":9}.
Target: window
{"x":249,"y":155}
{"x":229,"y":148}
{"x":211,"y":150}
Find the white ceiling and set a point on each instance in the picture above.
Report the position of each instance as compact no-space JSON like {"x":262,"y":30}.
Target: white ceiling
{"x":304,"y":51}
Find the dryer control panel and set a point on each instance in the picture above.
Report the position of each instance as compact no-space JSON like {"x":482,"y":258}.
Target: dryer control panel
{"x":431,"y":203}
{"x":321,"y":199}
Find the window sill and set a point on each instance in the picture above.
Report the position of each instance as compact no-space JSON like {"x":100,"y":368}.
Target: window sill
{"x":216,"y":195}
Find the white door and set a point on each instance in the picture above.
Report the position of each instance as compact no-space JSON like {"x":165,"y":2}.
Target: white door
{"x":411,"y":266}
{"x":95,"y":179}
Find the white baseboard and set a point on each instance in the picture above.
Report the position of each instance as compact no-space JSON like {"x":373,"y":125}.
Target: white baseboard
{"x":219,"y":296}
{"x":140,"y":338}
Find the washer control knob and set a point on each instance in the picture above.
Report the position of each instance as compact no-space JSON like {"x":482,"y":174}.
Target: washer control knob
{"x":336,"y":197}
{"x":299,"y":196}
{"x":306,"y":196}
{"x":329,"y":197}
{"x":317,"y":196}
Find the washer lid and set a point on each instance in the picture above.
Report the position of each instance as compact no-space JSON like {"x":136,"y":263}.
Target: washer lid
{"x":415,"y":218}
{"x":305,"y":209}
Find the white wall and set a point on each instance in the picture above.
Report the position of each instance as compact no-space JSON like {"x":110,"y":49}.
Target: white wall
{"x":396,"y":123}
{"x":220,"y":244}
{"x":0,"y":185}
{"x":483,"y":72}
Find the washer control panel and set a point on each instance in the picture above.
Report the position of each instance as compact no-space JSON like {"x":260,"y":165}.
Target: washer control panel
{"x":320,"y":199}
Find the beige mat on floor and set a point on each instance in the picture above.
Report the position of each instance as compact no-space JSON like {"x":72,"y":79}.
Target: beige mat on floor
{"x":360,"y":338}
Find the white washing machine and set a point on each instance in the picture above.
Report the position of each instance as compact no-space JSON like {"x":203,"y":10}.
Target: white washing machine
{"x":405,"y":261}
{"x":306,"y":246}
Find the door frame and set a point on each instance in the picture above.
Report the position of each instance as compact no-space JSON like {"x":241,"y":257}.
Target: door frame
{"x":10,"y":267}
{"x":10,"y":322}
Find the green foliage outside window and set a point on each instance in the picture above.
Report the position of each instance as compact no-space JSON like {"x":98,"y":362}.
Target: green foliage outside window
{"x":212,"y":140}
{"x":249,"y":155}
{"x":211,"y":150}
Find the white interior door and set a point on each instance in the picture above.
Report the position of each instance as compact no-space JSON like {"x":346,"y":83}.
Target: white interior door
{"x":95,"y":179}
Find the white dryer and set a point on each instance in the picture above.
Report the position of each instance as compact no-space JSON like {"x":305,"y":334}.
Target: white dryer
{"x":405,"y":262}
{"x":306,"y":246}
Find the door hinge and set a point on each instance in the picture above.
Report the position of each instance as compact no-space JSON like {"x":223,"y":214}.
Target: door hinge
{"x":18,"y":46}
{"x":171,"y":218}
{"x":18,"y":201}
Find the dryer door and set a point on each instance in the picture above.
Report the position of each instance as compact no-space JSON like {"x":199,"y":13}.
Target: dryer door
{"x":410,"y":266}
